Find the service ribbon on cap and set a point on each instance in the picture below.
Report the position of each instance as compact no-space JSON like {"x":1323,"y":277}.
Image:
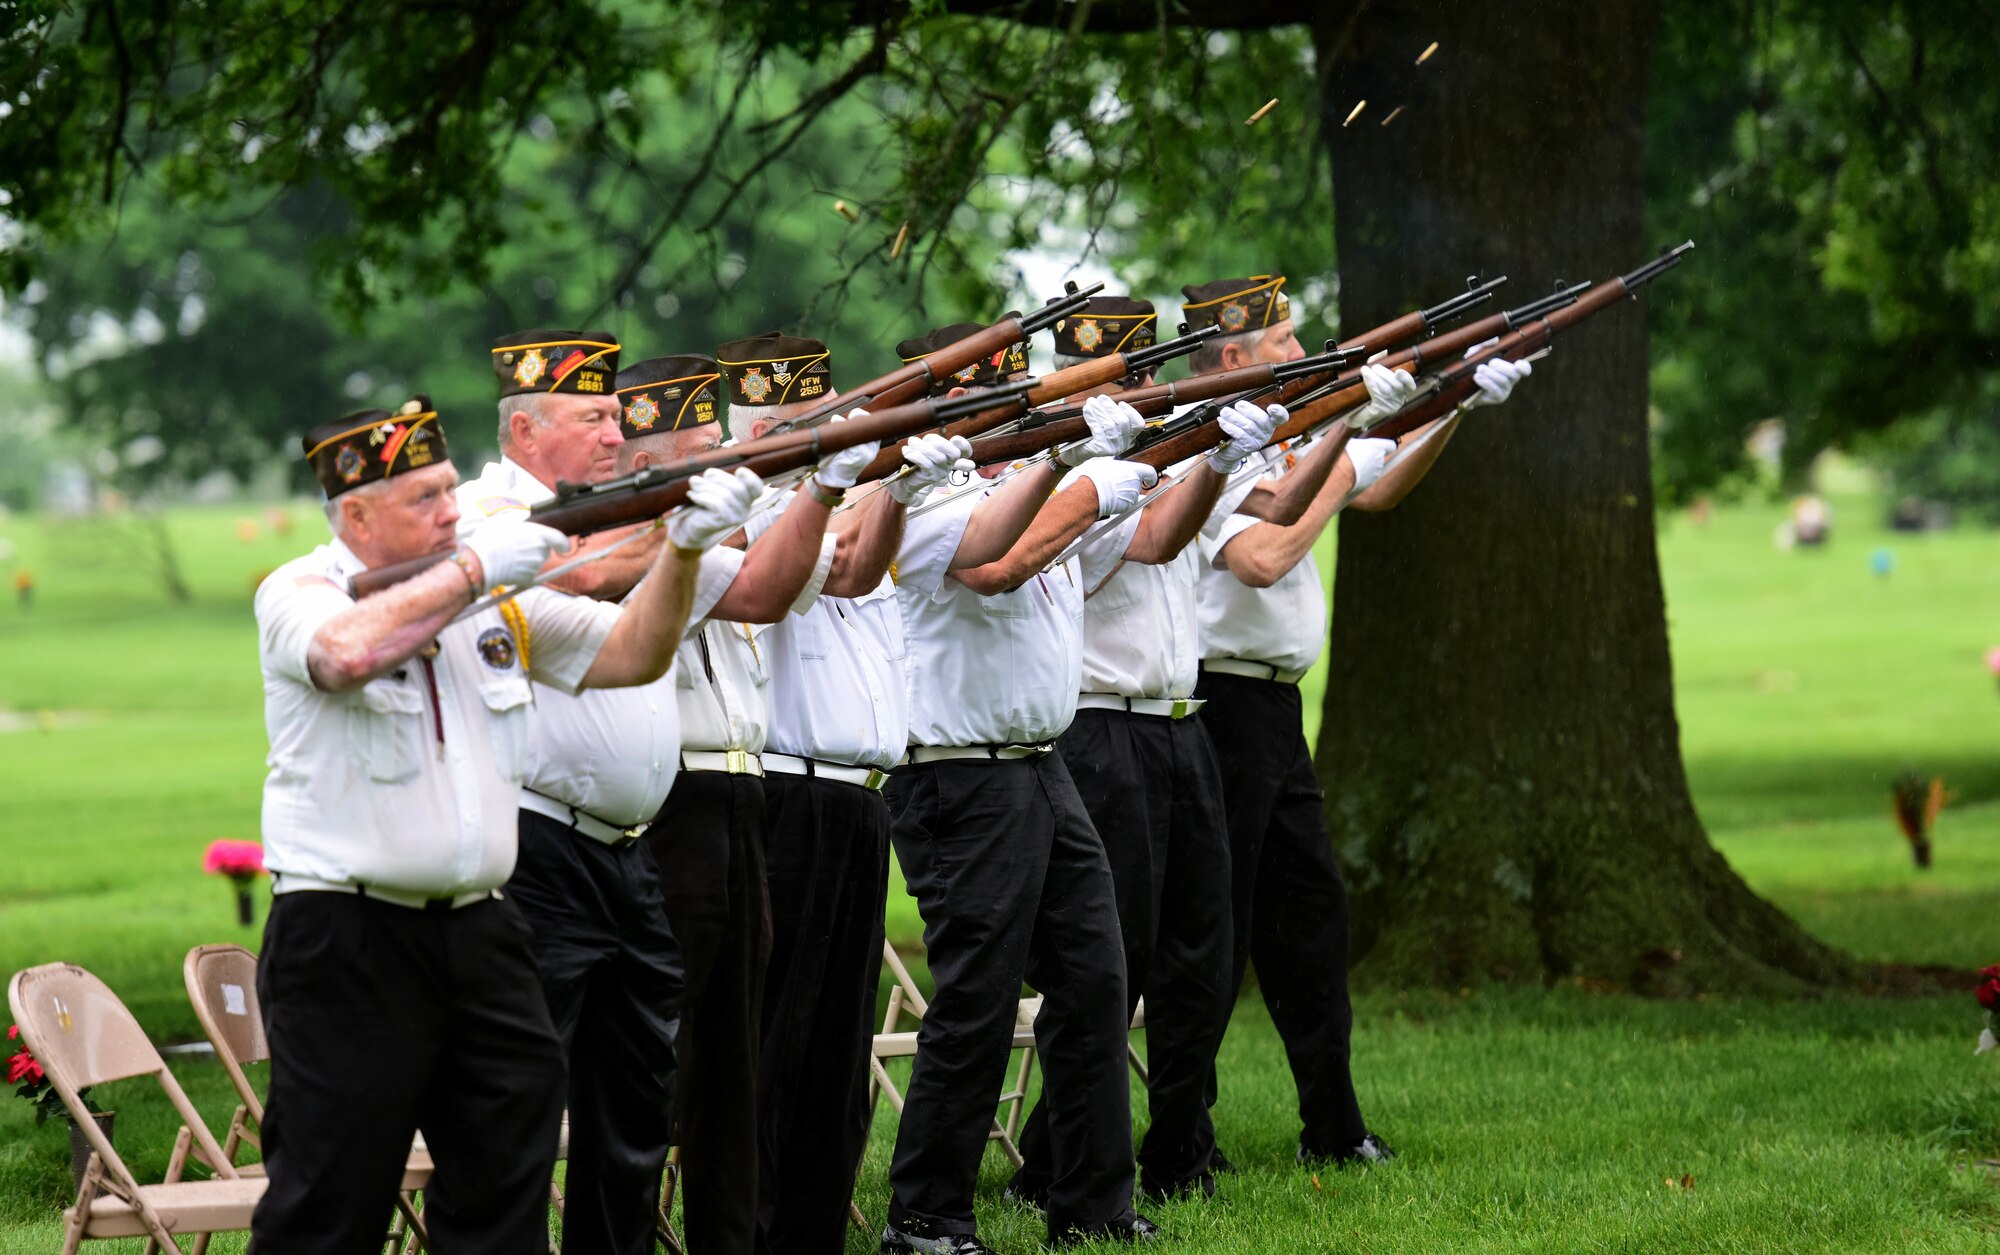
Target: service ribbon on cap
{"x":371,"y":445}
{"x":546,"y":360}
{"x":1235,"y":305}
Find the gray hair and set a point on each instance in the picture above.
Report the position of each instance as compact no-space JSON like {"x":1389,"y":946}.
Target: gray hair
{"x":533,"y":404}
{"x":1208,"y":358}
{"x":740,"y":418}
{"x":336,"y":517}
{"x":1064,"y":361}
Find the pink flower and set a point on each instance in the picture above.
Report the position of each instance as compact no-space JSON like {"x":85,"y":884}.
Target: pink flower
{"x":1993,"y":660}
{"x":239,"y":860}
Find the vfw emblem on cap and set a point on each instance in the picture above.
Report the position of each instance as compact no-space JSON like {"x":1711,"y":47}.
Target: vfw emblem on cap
{"x":349,"y":463}
{"x":642,"y":413}
{"x":755,"y":386}
{"x":1235,"y":316}
{"x":781,"y":371}
{"x":1088,"y":335}
{"x":530,"y":368}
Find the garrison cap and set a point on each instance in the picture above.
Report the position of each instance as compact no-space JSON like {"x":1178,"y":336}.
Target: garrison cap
{"x":1235,"y":305}
{"x":547,"y":360}
{"x":370,"y":445}
{"x":667,"y":394}
{"x":1109,"y":324}
{"x":774,"y":369}
{"x":984,"y":373}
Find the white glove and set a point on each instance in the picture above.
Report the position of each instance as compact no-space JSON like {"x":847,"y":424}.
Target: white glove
{"x":1119,"y":484}
{"x":1389,"y":390}
{"x":839,"y":471}
{"x":512,"y":551}
{"x":1114,"y":425}
{"x":932,"y":458}
{"x":717,"y":503}
{"x":1369,"y":459}
{"x":1496,"y":380}
{"x":1247,"y":429}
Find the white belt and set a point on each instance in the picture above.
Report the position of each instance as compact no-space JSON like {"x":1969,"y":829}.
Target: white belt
{"x":953,"y":753}
{"x":1171,"y":708}
{"x":583,"y":821}
{"x":820,"y":769}
{"x":285,"y":882}
{"x":1255,"y":670}
{"x":735,"y":762}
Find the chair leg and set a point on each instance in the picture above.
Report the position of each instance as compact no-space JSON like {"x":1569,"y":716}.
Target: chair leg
{"x":1139,"y":1065}
{"x":663,"y":1222}
{"x":409,"y":1224}
{"x":79,"y":1215}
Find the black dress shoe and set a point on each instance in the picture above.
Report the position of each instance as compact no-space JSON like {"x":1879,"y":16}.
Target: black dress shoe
{"x":901,"y":1242}
{"x":1370,"y":1149}
{"x":1139,"y":1230}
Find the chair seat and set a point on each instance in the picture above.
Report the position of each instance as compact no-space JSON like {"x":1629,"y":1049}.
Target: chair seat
{"x":904,"y":1045}
{"x":184,"y":1206}
{"x":416,"y":1173}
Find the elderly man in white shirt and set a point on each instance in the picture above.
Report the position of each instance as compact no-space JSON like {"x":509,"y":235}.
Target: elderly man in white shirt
{"x":1263,"y":623}
{"x":601,"y":768}
{"x":838,"y":722}
{"x":1148,"y":778}
{"x":400,"y":732}
{"x":1007,"y":870}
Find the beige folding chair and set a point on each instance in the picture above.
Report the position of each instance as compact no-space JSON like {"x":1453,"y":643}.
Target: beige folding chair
{"x":222,"y":986}
{"x":896,"y":1042}
{"x":82,"y":1035}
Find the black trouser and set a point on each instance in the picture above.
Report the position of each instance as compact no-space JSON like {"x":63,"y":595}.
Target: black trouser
{"x":1151,"y":786}
{"x":827,"y":865}
{"x":612,"y":976}
{"x":384,"y":1020}
{"x":1290,"y":902}
{"x":708,"y":844}
{"x":1012,"y":881}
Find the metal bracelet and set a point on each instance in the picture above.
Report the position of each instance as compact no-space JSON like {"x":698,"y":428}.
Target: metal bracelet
{"x":819,"y":492}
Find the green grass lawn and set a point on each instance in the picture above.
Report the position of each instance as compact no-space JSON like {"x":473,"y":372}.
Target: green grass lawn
{"x":1528,"y":1120}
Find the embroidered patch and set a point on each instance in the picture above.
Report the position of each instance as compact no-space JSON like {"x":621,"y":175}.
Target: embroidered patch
{"x":496,"y":648}
{"x":349,"y":463}
{"x":1088,"y":335}
{"x":1235,"y":316}
{"x":530,"y":368}
{"x":755,"y":386}
{"x":642,"y":413}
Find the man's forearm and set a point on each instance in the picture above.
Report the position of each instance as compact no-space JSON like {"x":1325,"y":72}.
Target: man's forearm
{"x":640,"y":648}
{"x":1170,"y":524}
{"x":1060,"y":522}
{"x":380,"y":633}
{"x":777,"y":565}
{"x":614,"y":575}
{"x":867,"y":546}
{"x":1260,"y":556}
{"x":1293,"y":495}
{"x":1000,"y":520}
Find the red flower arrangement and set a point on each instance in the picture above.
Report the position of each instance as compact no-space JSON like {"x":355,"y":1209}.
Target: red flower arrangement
{"x":242,"y":862}
{"x":25,"y":1073}
{"x":1988,"y":994}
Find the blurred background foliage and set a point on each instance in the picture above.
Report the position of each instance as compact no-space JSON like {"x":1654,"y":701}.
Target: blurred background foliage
{"x":227,"y":223}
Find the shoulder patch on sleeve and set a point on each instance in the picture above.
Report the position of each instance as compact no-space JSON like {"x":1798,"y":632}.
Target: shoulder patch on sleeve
{"x":491,"y":506}
{"x":316,"y":581}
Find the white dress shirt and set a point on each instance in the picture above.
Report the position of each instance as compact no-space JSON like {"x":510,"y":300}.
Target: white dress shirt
{"x":836,"y":673}
{"x":999,"y":670}
{"x":610,"y":753}
{"x":408,"y":783}
{"x":1140,"y":624}
{"x":1283,"y":626}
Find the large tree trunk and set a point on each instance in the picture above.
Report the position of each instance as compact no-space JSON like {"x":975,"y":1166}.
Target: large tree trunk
{"x":1499,"y":751}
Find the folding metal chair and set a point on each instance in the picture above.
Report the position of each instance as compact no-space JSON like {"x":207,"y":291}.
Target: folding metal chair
{"x":906,"y":1001}
{"x":82,"y":1035}
{"x":221,"y":984}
